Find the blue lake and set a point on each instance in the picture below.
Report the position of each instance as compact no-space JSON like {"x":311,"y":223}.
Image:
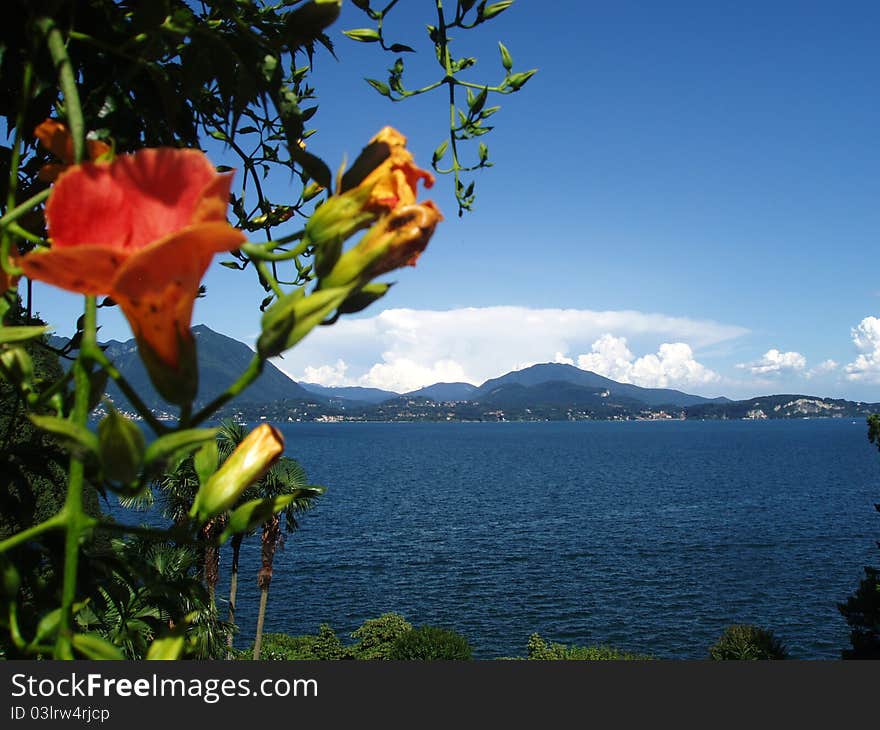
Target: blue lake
{"x":649,"y":536}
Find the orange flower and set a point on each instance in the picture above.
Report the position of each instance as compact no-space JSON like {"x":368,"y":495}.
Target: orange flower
{"x":387,"y":192}
{"x":55,"y":137}
{"x":143,"y":230}
{"x":395,"y":180}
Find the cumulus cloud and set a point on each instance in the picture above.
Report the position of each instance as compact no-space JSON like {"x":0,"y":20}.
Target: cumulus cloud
{"x":672,"y":365}
{"x":823,"y":368}
{"x":866,"y":338}
{"x":775,"y":362}
{"x":404,"y":349}
{"x":329,"y":375}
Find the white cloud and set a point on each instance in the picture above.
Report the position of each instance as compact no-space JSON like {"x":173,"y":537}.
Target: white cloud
{"x":823,"y":368}
{"x":330,"y":375}
{"x":672,"y":366}
{"x":774,"y":362}
{"x":866,"y":338}
{"x":402,"y":375}
{"x":403,"y":349}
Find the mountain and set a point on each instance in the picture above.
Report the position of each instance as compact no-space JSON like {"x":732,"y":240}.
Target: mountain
{"x":221,"y":359}
{"x":783,"y":406}
{"x":352,"y":393}
{"x":550,"y":372}
{"x":445,"y":392}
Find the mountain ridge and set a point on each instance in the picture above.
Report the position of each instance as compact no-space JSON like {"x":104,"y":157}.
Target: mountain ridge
{"x":547,"y":391}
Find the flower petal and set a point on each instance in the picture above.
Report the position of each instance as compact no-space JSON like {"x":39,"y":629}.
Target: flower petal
{"x":85,"y":269}
{"x":131,"y":202}
{"x":157,"y":286}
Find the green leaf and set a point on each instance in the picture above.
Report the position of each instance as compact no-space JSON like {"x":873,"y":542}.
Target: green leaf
{"x":92,"y":646}
{"x":364,"y":35}
{"x":254,"y":513}
{"x":306,"y":23}
{"x":314,"y":166}
{"x":177,"y":444}
{"x":47,"y":626}
{"x":364,"y":298}
{"x":20,"y":334}
{"x":400,"y":48}
{"x":484,"y":153}
{"x":206,"y":460}
{"x":380,"y":87}
{"x":77,"y":438}
{"x":166,"y":648}
{"x":506,"y":59}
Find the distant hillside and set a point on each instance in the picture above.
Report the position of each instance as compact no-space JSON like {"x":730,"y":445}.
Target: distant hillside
{"x":783,"y":406}
{"x":221,"y":359}
{"x":446,"y":392}
{"x":549,"y":372}
{"x":351,"y":392}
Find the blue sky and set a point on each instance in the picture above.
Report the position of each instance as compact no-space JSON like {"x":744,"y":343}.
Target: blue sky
{"x":684,"y":195}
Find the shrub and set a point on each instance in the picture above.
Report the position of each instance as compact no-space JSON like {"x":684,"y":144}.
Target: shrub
{"x":283,"y":647}
{"x":740,"y":642}
{"x":430,"y":643}
{"x":376,"y":637}
{"x":540,"y":650}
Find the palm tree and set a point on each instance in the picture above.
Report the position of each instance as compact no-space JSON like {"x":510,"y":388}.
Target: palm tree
{"x":178,"y":490}
{"x":284,"y":478}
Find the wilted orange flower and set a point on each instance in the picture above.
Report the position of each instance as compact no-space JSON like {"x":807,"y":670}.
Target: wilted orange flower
{"x":143,"y":230}
{"x":401,"y":227}
{"x":395,"y":180}
{"x":56,"y":138}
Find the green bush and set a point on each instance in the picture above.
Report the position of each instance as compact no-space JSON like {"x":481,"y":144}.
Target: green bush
{"x":376,"y":637}
{"x":540,"y":650}
{"x":430,"y":643}
{"x":283,"y":647}
{"x":744,"y":641}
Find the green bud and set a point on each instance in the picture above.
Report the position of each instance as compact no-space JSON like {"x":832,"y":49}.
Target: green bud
{"x":16,"y":367}
{"x":176,"y":385}
{"x":10,"y":581}
{"x":122,"y":446}
{"x":247,"y":464}
{"x":293,"y":316}
{"x":334,"y":222}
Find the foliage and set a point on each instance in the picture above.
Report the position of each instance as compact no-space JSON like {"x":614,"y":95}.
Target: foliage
{"x":469,"y":116}
{"x":140,"y":587}
{"x":747,"y":642}
{"x":325,"y":645}
{"x":862,"y":609}
{"x":113,"y":92}
{"x":430,"y":643}
{"x":540,"y":650}
{"x":376,"y":636}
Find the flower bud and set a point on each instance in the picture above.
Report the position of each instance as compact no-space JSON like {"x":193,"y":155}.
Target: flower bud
{"x":247,"y":464}
{"x":121,"y":445}
{"x":16,"y":367}
{"x":175,"y":383}
{"x":292,"y":317}
{"x":396,"y":240}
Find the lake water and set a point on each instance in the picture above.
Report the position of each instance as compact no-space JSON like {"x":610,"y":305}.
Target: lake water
{"x":649,"y":536}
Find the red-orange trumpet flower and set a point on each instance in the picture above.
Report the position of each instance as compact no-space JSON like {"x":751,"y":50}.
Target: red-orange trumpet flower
{"x":143,"y":230}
